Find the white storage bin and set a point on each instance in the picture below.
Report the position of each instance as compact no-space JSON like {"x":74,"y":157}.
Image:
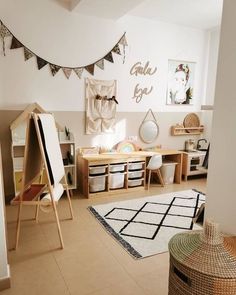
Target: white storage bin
{"x":97,"y":183}
{"x":116,"y":180}
{"x":97,"y":169}
{"x":135,"y":166}
{"x":135,"y":174}
{"x":134,"y":182}
{"x":117,"y":167}
{"x":168,"y":172}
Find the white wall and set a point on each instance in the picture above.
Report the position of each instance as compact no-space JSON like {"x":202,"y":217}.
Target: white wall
{"x":69,"y":39}
{"x":4,"y":269}
{"x":221,"y":200}
{"x":214,"y":39}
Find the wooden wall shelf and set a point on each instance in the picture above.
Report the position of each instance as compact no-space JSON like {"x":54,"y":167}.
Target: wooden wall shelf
{"x":177,"y":130}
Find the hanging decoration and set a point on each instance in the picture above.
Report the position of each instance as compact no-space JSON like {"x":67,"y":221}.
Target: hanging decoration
{"x":100,"y":106}
{"x":15,"y":43}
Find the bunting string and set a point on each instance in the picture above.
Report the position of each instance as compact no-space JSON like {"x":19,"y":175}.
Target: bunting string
{"x":41,"y":62}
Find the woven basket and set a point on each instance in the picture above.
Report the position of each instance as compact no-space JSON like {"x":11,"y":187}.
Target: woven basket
{"x":202,"y":263}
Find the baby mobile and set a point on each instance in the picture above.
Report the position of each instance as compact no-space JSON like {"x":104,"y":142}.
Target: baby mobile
{"x":15,"y":43}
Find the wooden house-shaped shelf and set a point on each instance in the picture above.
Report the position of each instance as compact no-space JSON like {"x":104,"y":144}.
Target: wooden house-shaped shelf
{"x":18,"y":134}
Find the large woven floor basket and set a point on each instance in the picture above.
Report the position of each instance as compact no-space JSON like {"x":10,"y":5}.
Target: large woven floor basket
{"x":202,"y":263}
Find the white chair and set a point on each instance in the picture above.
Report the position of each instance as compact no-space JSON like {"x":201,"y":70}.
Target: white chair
{"x":154,"y":165}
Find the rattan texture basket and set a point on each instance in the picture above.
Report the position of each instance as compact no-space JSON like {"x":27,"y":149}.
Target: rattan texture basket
{"x":202,"y":263}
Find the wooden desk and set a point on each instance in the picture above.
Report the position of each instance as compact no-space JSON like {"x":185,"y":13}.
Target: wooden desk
{"x":108,"y":160}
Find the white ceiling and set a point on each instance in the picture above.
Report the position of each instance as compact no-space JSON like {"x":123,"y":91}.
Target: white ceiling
{"x":202,"y":14}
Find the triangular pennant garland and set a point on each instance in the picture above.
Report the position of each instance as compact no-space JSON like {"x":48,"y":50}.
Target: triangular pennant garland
{"x":15,"y":43}
{"x":54,"y":69}
{"x":41,"y":62}
{"x":4,"y":32}
{"x":67,"y":72}
{"x":109,"y":57}
{"x":78,"y":71}
{"x":90,"y":69}
{"x":116,"y":49}
{"x":123,"y":41}
{"x":28,"y":54}
{"x":100,"y":64}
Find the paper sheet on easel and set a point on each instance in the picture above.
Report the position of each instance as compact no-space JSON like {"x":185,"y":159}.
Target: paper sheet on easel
{"x":57,"y":193}
{"x":53,"y":151}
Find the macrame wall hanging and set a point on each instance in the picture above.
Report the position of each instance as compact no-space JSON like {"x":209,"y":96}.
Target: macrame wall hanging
{"x":41,"y":62}
{"x":101,"y":104}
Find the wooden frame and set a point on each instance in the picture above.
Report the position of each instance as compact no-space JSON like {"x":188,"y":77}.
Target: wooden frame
{"x":35,"y":159}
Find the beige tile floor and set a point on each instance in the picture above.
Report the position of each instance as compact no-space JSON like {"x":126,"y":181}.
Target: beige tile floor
{"x":92,"y":262}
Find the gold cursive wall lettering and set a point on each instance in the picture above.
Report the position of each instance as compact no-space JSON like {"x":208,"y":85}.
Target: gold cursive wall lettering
{"x":140,"y":92}
{"x":136,"y":70}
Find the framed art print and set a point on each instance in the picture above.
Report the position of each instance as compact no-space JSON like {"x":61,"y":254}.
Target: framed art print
{"x":180,"y":88}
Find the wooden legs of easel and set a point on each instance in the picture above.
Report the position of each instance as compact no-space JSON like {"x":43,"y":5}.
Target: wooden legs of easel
{"x":158,"y":174}
{"x":69,"y":200}
{"x":37,"y":204}
{"x":58,"y":224}
{"x":18,"y":224}
{"x":37,"y":211}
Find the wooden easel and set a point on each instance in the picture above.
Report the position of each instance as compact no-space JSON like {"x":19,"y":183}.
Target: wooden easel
{"x":42,"y":151}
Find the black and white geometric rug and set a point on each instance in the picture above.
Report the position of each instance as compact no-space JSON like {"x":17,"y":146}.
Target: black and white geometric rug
{"x":144,"y":226}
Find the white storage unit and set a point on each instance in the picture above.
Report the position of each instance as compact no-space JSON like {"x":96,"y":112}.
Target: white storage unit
{"x":116,"y":180}
{"x":168,"y":172}
{"x":116,"y":176}
{"x":97,"y":183}
{"x":120,"y":167}
{"x":93,"y":170}
{"x":135,"y":166}
{"x":135,"y":182}
{"x":135,"y":174}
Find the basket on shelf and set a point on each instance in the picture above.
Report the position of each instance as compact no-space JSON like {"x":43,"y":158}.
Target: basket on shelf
{"x":202,"y":262}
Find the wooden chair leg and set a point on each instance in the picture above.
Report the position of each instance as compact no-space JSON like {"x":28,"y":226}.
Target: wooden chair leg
{"x":149,"y":178}
{"x":160,"y":177}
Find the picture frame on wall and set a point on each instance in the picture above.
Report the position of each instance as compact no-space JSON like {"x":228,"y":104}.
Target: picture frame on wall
{"x":180,"y":88}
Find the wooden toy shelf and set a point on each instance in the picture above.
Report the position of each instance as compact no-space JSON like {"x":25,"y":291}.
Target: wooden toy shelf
{"x":176,"y":130}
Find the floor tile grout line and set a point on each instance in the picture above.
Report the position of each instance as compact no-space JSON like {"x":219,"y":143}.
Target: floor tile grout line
{"x":55,"y":260}
{"x":117,"y":260}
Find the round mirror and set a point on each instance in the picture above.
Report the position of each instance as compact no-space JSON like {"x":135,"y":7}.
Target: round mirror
{"x":148,"y":131}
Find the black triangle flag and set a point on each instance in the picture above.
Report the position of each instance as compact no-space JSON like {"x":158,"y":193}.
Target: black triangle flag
{"x":15,"y":43}
{"x":4,"y":31}
{"x":116,"y":49}
{"x":54,"y":69}
{"x":41,"y":62}
{"x":27,"y":53}
{"x":109,"y":57}
{"x":90,"y":69}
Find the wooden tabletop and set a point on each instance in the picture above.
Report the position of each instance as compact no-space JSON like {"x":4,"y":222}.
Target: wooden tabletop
{"x":116,"y":155}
